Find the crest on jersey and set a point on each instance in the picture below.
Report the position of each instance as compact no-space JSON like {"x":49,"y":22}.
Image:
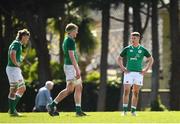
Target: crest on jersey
{"x":139,"y":51}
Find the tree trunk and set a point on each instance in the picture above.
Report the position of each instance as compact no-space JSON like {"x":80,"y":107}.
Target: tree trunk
{"x":4,"y":88}
{"x":1,"y":39}
{"x":175,"y":47}
{"x":137,"y":26}
{"x":37,"y":25}
{"x":104,"y":56}
{"x":62,"y":33}
{"x":155,"y":54}
{"x":126,"y":23}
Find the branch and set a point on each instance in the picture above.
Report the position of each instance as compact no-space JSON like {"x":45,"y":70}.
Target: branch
{"x":119,"y":20}
{"x":147,"y":18}
{"x":148,"y":13}
{"x":164,"y":5}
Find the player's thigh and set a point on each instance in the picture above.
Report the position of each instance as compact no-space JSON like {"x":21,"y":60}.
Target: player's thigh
{"x":70,"y":86}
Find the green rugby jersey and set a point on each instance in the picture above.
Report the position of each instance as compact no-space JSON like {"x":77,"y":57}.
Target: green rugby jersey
{"x":134,"y":57}
{"x":69,"y":44}
{"x":17,"y":46}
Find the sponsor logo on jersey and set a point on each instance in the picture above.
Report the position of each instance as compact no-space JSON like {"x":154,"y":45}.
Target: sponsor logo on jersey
{"x":139,"y":51}
{"x":134,"y":58}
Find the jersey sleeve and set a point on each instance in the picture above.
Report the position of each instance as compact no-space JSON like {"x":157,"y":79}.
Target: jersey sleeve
{"x":15,"y":46}
{"x":124,"y":52}
{"x":70,"y":45}
{"x":146,"y":53}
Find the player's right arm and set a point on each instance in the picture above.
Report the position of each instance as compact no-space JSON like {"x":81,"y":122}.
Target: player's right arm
{"x":120,"y":60}
{"x":75,"y":64}
{"x":13,"y":58}
{"x":121,"y":65}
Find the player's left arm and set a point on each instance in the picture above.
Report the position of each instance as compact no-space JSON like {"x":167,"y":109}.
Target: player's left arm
{"x":150,"y":61}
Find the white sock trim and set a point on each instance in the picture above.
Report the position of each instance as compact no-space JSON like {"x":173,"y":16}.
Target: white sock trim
{"x":19,"y":95}
{"x":125,"y":105}
{"x":134,"y":107}
{"x":12,"y":98}
{"x":78,"y":105}
{"x":55,"y":101}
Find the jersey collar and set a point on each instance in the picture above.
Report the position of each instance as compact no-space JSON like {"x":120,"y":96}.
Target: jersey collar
{"x":71,"y":37}
{"x":20,"y":42}
{"x":136,"y":47}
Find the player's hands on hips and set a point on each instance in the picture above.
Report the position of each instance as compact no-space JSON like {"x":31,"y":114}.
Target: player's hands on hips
{"x":124,"y":70}
{"x":143,"y":71}
{"x":78,"y":73}
{"x":17,"y":64}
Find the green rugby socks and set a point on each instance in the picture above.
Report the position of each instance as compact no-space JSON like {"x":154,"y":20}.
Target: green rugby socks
{"x":125,"y":107}
{"x":11,"y":105}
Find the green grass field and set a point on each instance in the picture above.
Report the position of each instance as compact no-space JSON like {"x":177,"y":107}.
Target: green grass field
{"x":94,"y":117}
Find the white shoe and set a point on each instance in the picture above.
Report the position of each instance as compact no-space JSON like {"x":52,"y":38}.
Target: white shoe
{"x":133,"y":114}
{"x":124,"y":114}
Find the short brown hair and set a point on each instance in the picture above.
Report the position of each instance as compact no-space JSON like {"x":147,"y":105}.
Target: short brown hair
{"x":21,"y":33}
{"x":71,"y":27}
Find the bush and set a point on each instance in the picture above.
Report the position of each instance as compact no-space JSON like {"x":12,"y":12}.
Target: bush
{"x":57,"y":72}
{"x":29,"y":67}
{"x":92,"y":76}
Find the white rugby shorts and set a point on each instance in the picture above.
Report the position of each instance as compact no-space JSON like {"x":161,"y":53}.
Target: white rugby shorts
{"x":133,"y":78}
{"x":70,"y":74}
{"x":14,"y":75}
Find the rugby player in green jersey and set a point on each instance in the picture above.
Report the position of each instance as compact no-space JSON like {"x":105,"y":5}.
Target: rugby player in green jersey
{"x":72,"y":72}
{"x":16,"y":80}
{"x":134,"y":71}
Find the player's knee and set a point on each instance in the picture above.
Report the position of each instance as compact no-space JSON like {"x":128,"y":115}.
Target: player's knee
{"x":79,"y":87}
{"x":126,"y":92}
{"x":135,"y":93}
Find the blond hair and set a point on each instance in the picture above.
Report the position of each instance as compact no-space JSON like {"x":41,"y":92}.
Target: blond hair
{"x":21,"y":33}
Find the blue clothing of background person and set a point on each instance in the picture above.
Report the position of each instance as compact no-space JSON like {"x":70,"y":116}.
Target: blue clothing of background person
{"x":43,"y":97}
